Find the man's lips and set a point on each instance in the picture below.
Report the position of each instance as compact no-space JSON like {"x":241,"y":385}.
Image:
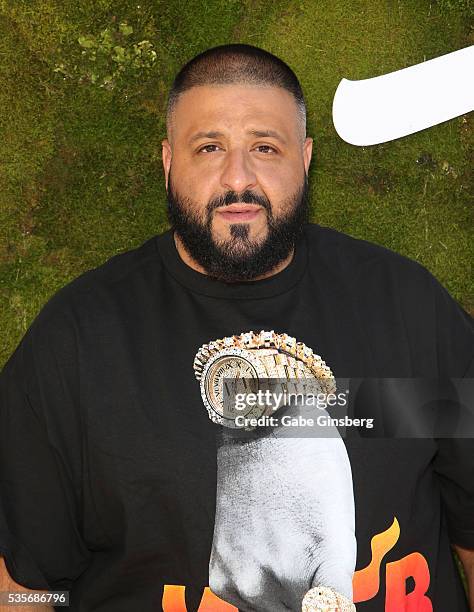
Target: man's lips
{"x":239,"y":212}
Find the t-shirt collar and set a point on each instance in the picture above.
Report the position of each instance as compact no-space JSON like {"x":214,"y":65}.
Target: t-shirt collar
{"x":202,"y":283}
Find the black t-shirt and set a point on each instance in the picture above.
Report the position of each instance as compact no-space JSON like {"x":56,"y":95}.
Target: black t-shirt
{"x":108,"y":457}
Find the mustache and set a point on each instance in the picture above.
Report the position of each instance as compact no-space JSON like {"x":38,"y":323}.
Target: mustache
{"x":246,"y":197}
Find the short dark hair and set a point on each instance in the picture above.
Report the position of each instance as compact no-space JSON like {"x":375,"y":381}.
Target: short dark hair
{"x":236,"y":63}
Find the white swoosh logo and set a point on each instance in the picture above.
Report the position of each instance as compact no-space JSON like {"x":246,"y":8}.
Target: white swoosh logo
{"x":372,"y":111}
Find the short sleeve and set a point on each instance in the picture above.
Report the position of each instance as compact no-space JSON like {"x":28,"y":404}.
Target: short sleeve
{"x":455,"y":335}
{"x":40,"y":525}
{"x":454,"y":462}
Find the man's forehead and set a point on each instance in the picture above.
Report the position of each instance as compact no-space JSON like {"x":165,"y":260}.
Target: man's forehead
{"x":222,"y":108}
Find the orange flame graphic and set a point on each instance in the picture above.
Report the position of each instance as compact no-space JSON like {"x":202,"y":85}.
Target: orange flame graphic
{"x":366,"y":581}
{"x":174,"y":601}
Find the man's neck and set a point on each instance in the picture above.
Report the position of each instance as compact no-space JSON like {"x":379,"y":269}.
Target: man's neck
{"x":192,"y":263}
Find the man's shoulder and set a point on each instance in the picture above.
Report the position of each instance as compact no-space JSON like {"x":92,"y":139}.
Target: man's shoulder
{"x":353,"y":254}
{"x":95,"y":288}
{"x":116,"y":268}
{"x":88,"y":303}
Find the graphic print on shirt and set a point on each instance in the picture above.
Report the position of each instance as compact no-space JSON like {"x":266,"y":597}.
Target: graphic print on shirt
{"x":284,"y":505}
{"x":366,"y":581}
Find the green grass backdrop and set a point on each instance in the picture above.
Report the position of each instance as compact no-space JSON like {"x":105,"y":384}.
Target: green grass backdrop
{"x":83,"y":89}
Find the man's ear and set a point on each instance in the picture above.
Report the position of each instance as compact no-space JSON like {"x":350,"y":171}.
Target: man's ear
{"x":166,"y":158}
{"x":307,"y":152}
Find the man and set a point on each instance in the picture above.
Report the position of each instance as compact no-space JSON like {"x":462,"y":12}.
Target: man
{"x":117,"y":486}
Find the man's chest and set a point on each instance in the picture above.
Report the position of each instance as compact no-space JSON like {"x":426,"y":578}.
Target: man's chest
{"x":152,"y":449}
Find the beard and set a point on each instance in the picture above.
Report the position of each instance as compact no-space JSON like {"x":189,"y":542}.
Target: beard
{"x":238,"y":258}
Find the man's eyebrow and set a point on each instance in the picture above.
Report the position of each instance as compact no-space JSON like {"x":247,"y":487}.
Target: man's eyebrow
{"x":257,"y":133}
{"x":200,"y":135}
{"x":267,"y":134}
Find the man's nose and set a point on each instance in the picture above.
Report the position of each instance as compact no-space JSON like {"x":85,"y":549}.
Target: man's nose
{"x":238,"y":174}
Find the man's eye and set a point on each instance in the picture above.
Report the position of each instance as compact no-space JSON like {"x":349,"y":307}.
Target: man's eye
{"x":210,"y":148}
{"x":268,"y":148}
{"x":206,"y":148}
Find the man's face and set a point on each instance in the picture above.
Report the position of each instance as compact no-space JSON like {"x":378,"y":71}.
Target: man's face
{"x":236,"y":163}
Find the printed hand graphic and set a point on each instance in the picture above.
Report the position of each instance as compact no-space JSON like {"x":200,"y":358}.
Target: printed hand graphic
{"x":284,"y":521}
